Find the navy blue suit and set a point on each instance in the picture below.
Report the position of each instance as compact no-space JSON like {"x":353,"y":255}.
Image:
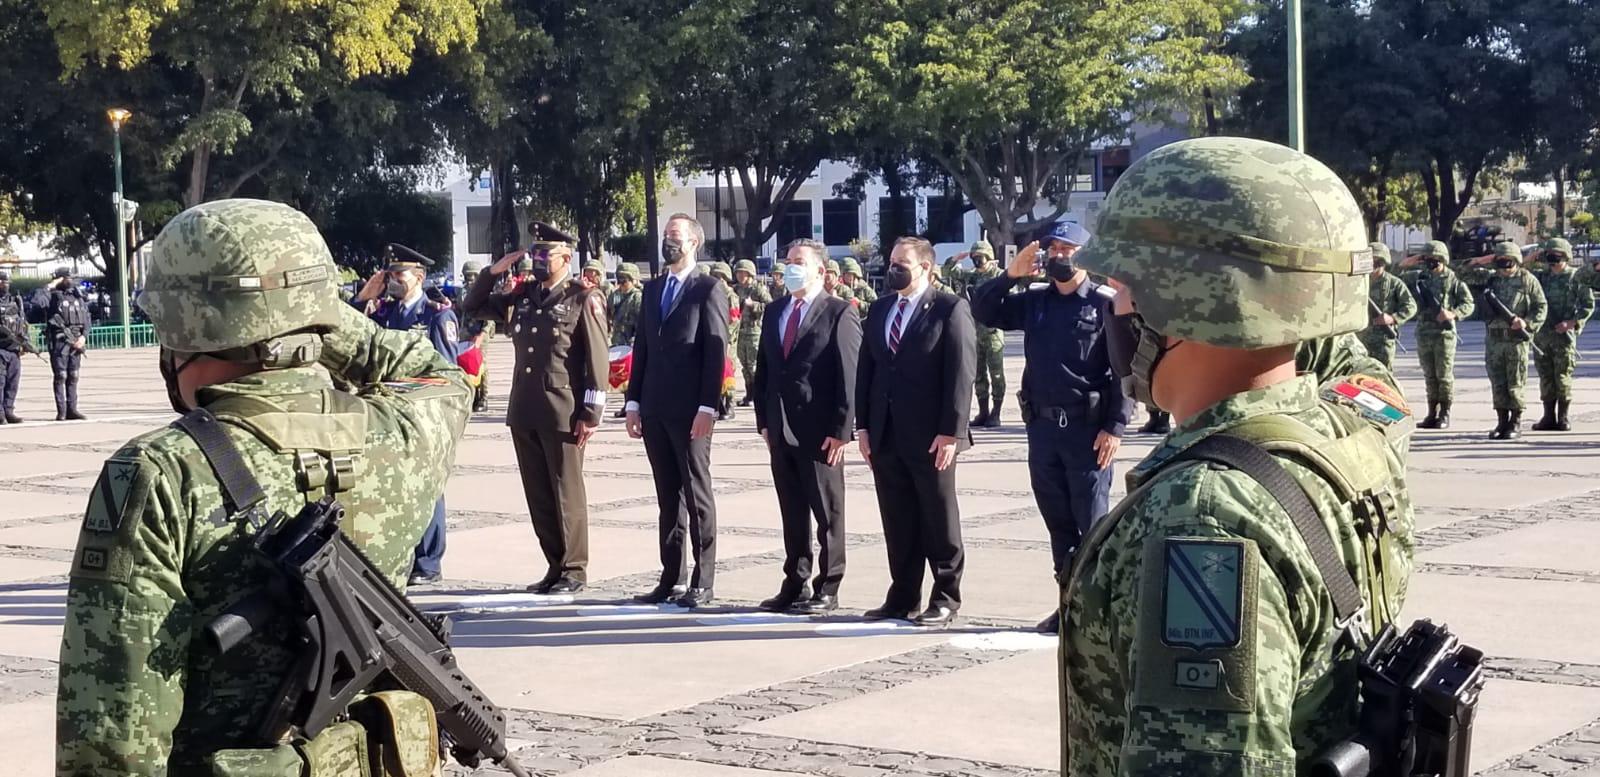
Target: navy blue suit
{"x":1069,"y":396}
{"x":439,"y":325}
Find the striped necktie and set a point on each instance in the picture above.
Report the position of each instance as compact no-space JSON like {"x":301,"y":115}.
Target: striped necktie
{"x":894,"y":328}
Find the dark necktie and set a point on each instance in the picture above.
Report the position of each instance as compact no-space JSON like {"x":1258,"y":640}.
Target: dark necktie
{"x":894,"y":328}
{"x":792,"y":333}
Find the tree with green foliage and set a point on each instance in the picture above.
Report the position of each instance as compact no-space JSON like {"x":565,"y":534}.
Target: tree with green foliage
{"x":1008,"y":95}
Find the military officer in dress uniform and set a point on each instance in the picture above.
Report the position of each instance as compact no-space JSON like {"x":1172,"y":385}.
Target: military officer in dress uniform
{"x":395,"y":299}
{"x":558,"y":328}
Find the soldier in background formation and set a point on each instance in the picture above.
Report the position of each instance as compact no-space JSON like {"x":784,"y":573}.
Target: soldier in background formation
{"x":164,"y":547}
{"x":475,"y":333}
{"x":1390,"y":304}
{"x":66,"y":335}
{"x":1442,"y":300}
{"x":14,"y":342}
{"x":594,"y":276}
{"x":1570,"y":305}
{"x":775,"y":288}
{"x":831,"y":285}
{"x":851,"y":276}
{"x":622,"y":306}
{"x":720,"y":271}
{"x":753,"y":300}
{"x":1505,"y":348}
{"x":990,"y":383}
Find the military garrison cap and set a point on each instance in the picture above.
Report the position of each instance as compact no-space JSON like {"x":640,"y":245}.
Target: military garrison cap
{"x":399,"y":257}
{"x":544,"y":236}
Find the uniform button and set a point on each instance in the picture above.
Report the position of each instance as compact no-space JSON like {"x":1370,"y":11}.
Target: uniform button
{"x":534,"y":330}
{"x":527,"y":369}
{"x":530,"y":349}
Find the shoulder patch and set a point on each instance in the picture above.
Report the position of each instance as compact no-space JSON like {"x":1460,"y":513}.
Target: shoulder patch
{"x":112,"y":493}
{"x":1196,"y":638}
{"x":1376,"y":400}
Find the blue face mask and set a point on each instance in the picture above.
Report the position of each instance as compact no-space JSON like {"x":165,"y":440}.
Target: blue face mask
{"x":795,"y":277}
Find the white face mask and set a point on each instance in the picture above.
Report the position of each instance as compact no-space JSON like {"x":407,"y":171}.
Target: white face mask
{"x":796,"y":277}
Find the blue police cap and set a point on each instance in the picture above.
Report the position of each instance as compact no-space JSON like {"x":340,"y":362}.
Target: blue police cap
{"x":1068,"y":232}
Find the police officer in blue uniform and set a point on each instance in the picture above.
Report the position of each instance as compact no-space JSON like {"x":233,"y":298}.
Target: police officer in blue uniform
{"x":1072,"y":404}
{"x":396,"y":299}
{"x":66,"y":332}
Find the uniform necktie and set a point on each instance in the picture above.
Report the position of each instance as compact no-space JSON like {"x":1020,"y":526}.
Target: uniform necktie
{"x":792,"y":333}
{"x":894,"y":328}
{"x":668,"y":295}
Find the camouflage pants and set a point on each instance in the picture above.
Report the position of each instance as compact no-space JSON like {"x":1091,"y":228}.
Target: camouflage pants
{"x":1380,"y":346}
{"x":1507,"y":363}
{"x":1555,"y":367}
{"x":1437,"y":352}
{"x":991,"y":379}
{"x":749,"y":343}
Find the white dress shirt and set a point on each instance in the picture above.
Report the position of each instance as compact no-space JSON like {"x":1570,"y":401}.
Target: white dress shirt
{"x":683,"y":280}
{"x":912,"y":302}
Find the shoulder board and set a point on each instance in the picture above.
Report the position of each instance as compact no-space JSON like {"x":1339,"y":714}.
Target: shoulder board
{"x":1103,"y":292}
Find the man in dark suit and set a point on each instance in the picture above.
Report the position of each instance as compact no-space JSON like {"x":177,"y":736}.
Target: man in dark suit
{"x":913,"y":397}
{"x":673,"y":390}
{"x":558,"y":327}
{"x":804,"y":391}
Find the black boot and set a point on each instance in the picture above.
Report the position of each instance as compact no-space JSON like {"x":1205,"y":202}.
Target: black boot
{"x":1513,"y":425}
{"x":993,"y":421}
{"x":725,"y":409}
{"x":1547,"y":422}
{"x":1432,"y":421}
{"x":746,"y":402}
{"x":1160,"y":423}
{"x":1562,"y":405}
{"x":1444,"y":416}
{"x":982,"y":418}
{"x":1500,"y":425}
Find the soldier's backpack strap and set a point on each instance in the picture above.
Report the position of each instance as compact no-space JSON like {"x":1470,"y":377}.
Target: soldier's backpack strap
{"x":240,"y":488}
{"x":1240,"y":454}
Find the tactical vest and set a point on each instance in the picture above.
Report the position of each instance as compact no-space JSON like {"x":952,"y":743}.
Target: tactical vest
{"x":388,"y":733}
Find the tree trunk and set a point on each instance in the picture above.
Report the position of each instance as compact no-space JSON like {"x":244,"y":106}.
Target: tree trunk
{"x":1561,"y":201}
{"x":1213,"y":125}
{"x":716,"y":206}
{"x":652,"y":225}
{"x":894,"y":227}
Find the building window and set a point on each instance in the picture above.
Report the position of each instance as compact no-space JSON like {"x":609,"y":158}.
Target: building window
{"x":734,"y":212}
{"x":908,"y":216}
{"x":841,"y":221}
{"x":1113,"y":163}
{"x":478,"y":228}
{"x":1082,"y":181}
{"x":794,"y":222}
{"x":945,"y":219}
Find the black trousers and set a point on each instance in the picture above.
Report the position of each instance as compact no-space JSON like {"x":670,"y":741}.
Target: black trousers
{"x":921,"y":525}
{"x":809,"y":489}
{"x":551,"y":465}
{"x":682,"y":471}
{"x":10,"y":377}
{"x":1071,"y":490}
{"x":64,"y":364}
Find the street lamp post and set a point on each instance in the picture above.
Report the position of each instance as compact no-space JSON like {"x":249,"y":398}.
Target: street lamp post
{"x":1297,"y":116}
{"x":117,"y":117}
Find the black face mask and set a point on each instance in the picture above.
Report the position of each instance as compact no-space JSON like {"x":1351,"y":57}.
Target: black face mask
{"x":1433,"y":264}
{"x":671,"y":249}
{"x":1505,"y":264}
{"x":170,"y":368}
{"x":897,"y":277}
{"x":1061,"y":270}
{"x":540,"y":270}
{"x":1135,"y":350}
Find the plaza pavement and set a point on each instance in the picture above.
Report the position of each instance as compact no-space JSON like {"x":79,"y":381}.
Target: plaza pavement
{"x":1509,"y":556}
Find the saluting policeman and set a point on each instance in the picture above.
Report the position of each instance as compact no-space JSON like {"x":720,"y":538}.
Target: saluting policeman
{"x":558,"y":328}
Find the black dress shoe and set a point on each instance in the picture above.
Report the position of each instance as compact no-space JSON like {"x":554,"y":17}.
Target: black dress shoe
{"x":695,"y":597}
{"x":817,"y":605}
{"x":74,"y":415}
{"x":887,"y":613}
{"x":12,"y":419}
{"x":785,"y":600}
{"x":659,"y":594}
{"x":418,"y":578}
{"x":935,"y":615}
{"x":541,"y":587}
{"x":565,"y":585}
{"x":1050,"y":625}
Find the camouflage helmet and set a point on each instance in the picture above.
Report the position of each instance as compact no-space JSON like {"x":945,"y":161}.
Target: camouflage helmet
{"x":850,"y":266}
{"x":1380,"y":252}
{"x":471,"y":267}
{"x":745,"y":265}
{"x":720,"y":270}
{"x":1436,"y":249}
{"x":627,"y":270}
{"x":1237,"y":243}
{"x":596,"y":265}
{"x":229,"y":274}
{"x":1558,"y":245}
{"x":831,"y":266}
{"x":981,"y":248}
{"x":1506,"y":249}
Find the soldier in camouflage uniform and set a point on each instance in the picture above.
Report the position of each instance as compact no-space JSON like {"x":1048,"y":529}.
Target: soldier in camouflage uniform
{"x":1392,"y":305}
{"x":990,"y":384}
{"x":1199,"y":637}
{"x":775,"y":287}
{"x":476,"y":334}
{"x":850,"y":276}
{"x":720,"y":271}
{"x":1570,"y":305}
{"x":753,"y":300}
{"x":1505,"y":348}
{"x":831,"y":285}
{"x":594,"y":276}
{"x":622,"y":307}
{"x":1442,"y":300}
{"x":243,"y":298}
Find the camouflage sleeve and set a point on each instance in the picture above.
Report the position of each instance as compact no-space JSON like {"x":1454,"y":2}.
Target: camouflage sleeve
{"x":1339,"y":356}
{"x":1401,"y":303}
{"x":1582,"y":304}
{"x":1460,"y":300}
{"x":362,"y":352}
{"x":1538,"y":307}
{"x":125,"y":644}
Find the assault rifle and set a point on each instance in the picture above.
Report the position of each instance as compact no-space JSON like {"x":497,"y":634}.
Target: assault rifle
{"x":1504,"y":312}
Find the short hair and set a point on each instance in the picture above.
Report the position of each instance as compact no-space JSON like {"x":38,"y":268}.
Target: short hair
{"x":919,"y":248}
{"x":694,"y":225}
{"x":817,"y":249}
